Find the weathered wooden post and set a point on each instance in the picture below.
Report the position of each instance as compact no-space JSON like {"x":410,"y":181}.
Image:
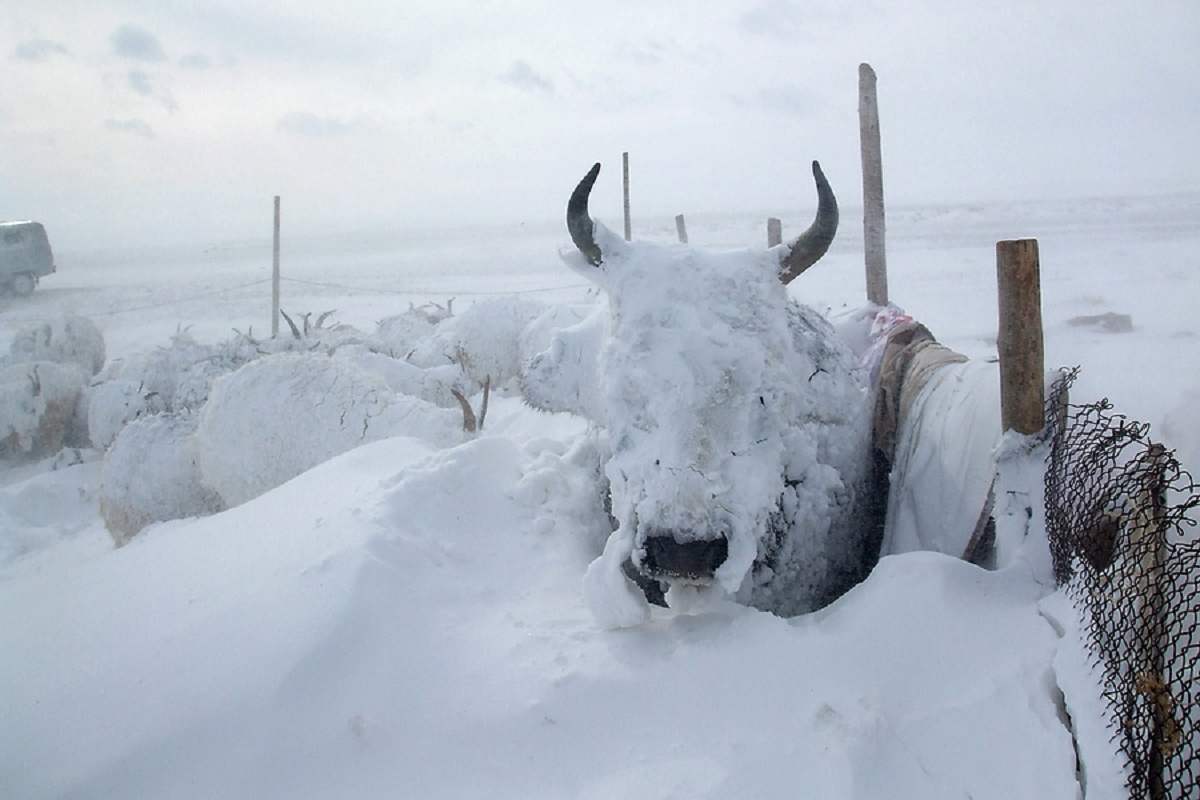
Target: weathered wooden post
{"x":1147,"y":543}
{"x":872,"y":173}
{"x":1020,"y":343}
{"x":774,"y":231}
{"x":275,"y":275}
{"x":681,"y":228}
{"x":628,"y":224}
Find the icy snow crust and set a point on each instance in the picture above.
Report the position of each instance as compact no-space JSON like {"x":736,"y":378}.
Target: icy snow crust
{"x":729,"y":412}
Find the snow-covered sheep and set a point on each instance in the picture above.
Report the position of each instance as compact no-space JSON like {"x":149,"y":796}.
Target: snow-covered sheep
{"x":181,"y":374}
{"x":484,"y":340}
{"x":283,"y":414}
{"x":113,"y":404}
{"x":737,"y":422}
{"x":38,"y":401}
{"x":63,"y":340}
{"x":403,"y":332}
{"x":150,"y":474}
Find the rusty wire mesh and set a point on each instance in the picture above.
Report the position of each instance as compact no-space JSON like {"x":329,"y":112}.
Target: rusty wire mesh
{"x":1121,"y":516}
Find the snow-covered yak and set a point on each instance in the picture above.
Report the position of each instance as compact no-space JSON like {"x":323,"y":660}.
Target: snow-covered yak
{"x":736,"y":423}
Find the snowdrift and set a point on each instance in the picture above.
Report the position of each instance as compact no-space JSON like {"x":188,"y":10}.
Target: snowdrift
{"x":401,"y":619}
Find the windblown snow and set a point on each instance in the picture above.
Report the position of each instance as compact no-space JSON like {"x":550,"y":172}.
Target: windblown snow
{"x":406,"y":616}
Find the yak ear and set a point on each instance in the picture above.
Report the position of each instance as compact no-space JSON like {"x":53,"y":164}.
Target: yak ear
{"x":579,"y":222}
{"x":807,"y":248}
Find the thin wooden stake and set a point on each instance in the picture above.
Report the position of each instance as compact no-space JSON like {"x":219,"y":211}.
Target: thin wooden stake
{"x":628,"y":224}
{"x":275,"y":275}
{"x":681,"y":228}
{"x":774,"y":232}
{"x":1020,"y":342}
{"x":872,"y":172}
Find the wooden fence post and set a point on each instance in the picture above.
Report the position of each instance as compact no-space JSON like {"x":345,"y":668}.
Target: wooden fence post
{"x":275,"y":275}
{"x":628,"y":224}
{"x":774,"y":232}
{"x":1147,"y":540}
{"x":1019,"y":341}
{"x":872,"y":174}
{"x":681,"y":228}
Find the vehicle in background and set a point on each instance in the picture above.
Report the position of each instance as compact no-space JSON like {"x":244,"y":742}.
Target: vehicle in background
{"x":24,"y":256}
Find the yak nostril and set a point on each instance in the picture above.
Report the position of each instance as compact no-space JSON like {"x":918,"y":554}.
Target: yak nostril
{"x":697,"y":559}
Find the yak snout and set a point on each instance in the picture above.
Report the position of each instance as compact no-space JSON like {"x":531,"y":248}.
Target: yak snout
{"x":695,"y":560}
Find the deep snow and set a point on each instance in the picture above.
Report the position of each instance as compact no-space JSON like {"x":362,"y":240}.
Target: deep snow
{"x":408,"y":620}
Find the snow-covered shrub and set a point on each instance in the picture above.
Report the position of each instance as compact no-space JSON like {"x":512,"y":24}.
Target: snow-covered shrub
{"x":37,"y":406}
{"x":63,"y":340}
{"x":484,"y":340}
{"x":150,"y":474}
{"x":283,"y":414}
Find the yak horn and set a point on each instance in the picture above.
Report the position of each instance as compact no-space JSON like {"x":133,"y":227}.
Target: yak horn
{"x":809,"y":246}
{"x":579,"y":223}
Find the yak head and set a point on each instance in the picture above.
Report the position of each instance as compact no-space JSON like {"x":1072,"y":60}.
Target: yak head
{"x":703,"y":382}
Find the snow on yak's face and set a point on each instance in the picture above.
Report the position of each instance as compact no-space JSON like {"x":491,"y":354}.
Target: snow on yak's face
{"x":702,"y":379}
{"x":700,"y":393}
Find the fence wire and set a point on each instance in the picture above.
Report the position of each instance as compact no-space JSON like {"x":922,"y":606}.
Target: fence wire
{"x":1120,"y":516}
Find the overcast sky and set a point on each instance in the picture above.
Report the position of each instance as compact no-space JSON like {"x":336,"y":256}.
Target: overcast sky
{"x":180,"y":119}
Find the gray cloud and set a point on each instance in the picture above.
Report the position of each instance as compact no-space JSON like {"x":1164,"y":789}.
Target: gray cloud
{"x":143,"y":84}
{"x":137,"y":44}
{"x":304,"y":123}
{"x":140,"y":83}
{"x":791,"y":21}
{"x":649,"y":54}
{"x":773,"y":18}
{"x":135,"y":127}
{"x":38,"y":50}
{"x":195,"y":61}
{"x":523,"y":77}
{"x":250,"y":31}
{"x":789,"y":99}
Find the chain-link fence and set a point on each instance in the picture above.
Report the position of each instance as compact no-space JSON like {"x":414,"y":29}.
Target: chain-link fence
{"x":1121,"y":516}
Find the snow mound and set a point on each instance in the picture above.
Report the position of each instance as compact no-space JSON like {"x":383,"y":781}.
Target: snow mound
{"x":405,"y":627}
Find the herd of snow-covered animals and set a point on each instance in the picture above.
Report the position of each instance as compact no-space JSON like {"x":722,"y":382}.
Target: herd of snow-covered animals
{"x":738,"y":436}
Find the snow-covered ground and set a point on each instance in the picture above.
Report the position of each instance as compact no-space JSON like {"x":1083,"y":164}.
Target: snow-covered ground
{"x":407,"y":618}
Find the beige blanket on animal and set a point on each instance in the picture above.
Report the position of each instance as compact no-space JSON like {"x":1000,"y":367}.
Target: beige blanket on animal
{"x":937,"y":419}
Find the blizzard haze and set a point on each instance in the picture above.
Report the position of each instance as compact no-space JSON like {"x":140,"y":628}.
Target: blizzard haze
{"x":162,"y":122}
{"x":414,"y":615}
